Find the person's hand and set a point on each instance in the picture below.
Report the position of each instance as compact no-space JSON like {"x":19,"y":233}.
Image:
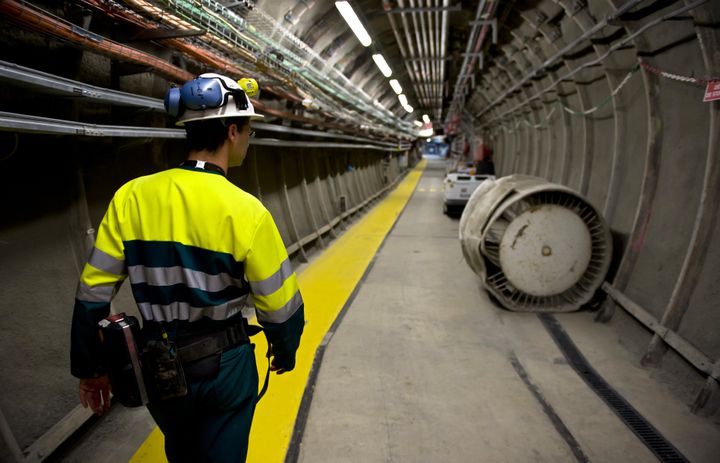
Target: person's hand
{"x":95,"y":392}
{"x":280,"y":363}
{"x":276,"y":367}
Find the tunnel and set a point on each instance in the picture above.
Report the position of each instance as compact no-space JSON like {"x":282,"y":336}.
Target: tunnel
{"x":422,"y":342}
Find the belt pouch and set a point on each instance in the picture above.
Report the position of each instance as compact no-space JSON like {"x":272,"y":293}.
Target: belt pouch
{"x":203,"y":369}
{"x":166,"y":370}
{"x":201,"y":358}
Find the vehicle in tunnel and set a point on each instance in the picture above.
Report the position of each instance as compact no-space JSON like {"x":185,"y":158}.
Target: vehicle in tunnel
{"x":612,"y":99}
{"x":459,"y":187}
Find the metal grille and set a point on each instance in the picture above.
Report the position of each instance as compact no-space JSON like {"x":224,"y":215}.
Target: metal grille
{"x":646,"y":432}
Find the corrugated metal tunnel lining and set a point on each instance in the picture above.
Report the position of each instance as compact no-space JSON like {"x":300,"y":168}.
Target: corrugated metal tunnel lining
{"x":537,"y":246}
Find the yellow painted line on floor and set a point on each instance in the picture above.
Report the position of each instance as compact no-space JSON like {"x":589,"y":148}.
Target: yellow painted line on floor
{"x":326,"y":285}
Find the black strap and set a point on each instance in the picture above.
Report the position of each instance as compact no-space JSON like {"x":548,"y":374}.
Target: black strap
{"x":199,"y":346}
{"x":203,"y":165}
{"x":267,"y":378}
{"x":207,"y":344}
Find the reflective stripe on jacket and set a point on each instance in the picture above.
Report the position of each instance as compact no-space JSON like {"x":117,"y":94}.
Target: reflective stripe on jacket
{"x":193,"y":245}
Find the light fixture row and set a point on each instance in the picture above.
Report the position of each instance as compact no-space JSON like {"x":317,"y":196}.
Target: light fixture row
{"x":357,"y":27}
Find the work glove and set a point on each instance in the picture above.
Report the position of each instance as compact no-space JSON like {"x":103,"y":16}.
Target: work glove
{"x":282,"y":361}
{"x":95,"y":392}
{"x":284,"y":339}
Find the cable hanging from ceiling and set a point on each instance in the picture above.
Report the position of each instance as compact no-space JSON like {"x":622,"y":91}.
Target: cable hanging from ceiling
{"x":280,"y":53}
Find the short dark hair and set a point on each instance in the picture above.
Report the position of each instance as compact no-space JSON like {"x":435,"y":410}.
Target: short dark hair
{"x":210,"y":134}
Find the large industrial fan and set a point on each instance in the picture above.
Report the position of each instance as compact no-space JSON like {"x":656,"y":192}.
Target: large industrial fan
{"x":537,"y":246}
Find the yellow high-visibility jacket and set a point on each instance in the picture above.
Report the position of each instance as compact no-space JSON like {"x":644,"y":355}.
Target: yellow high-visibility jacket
{"x":194,"y":246}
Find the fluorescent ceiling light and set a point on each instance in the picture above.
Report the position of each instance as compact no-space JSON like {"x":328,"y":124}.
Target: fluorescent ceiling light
{"x":418,"y":123}
{"x":408,"y":108}
{"x":354,"y":22}
{"x":403,"y":99}
{"x":382,"y":64}
{"x":396,"y":86}
{"x":426,"y":119}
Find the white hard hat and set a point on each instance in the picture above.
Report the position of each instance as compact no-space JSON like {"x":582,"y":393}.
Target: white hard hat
{"x":209,"y":96}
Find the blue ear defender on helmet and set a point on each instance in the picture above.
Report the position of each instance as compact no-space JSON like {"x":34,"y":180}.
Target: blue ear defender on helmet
{"x":173,"y":103}
{"x":202,"y":93}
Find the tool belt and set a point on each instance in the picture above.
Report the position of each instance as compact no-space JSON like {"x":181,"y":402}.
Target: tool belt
{"x":160,"y":367}
{"x":172,"y":362}
{"x":200,"y":353}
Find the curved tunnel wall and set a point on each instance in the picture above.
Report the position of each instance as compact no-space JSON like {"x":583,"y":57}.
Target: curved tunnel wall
{"x":639,"y":144}
{"x":647,"y":158}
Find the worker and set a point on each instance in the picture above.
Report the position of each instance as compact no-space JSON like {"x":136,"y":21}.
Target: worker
{"x":196,"y":249}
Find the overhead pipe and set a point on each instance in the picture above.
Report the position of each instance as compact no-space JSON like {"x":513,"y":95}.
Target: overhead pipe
{"x":219,"y":20}
{"x":417,"y":65}
{"x":418,"y":56}
{"x":218,"y":16}
{"x":30,"y":17}
{"x":410,"y":65}
{"x":41,"y":21}
{"x":439,"y":60}
{"x":470,"y":56}
{"x":433,"y":25}
{"x":440,"y":56}
{"x":414,"y":63}
{"x":428,"y":55}
{"x":422,"y":46}
{"x":214,"y":60}
{"x":443,"y":41}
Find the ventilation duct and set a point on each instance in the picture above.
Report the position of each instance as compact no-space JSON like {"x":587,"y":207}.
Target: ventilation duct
{"x":537,"y":246}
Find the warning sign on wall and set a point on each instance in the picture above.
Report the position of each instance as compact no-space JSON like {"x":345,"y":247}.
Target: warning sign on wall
{"x":712,"y":92}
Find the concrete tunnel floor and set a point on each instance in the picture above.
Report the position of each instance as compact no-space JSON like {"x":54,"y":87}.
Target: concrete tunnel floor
{"x":421,"y":370}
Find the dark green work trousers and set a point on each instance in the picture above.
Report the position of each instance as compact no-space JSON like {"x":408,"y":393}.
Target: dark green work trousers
{"x":212,"y":423}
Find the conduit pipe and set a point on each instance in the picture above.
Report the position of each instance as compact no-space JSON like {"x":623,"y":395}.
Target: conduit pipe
{"x":219,"y":62}
{"x":469,"y":62}
{"x":294,"y":117}
{"x":443,"y":41}
{"x":410,"y":66}
{"x":24,"y":123}
{"x":419,"y":69}
{"x":435,"y":31}
{"x":425,"y":54}
{"x":433,"y":25}
{"x":30,"y":17}
{"x":41,"y":21}
{"x":214,"y":60}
